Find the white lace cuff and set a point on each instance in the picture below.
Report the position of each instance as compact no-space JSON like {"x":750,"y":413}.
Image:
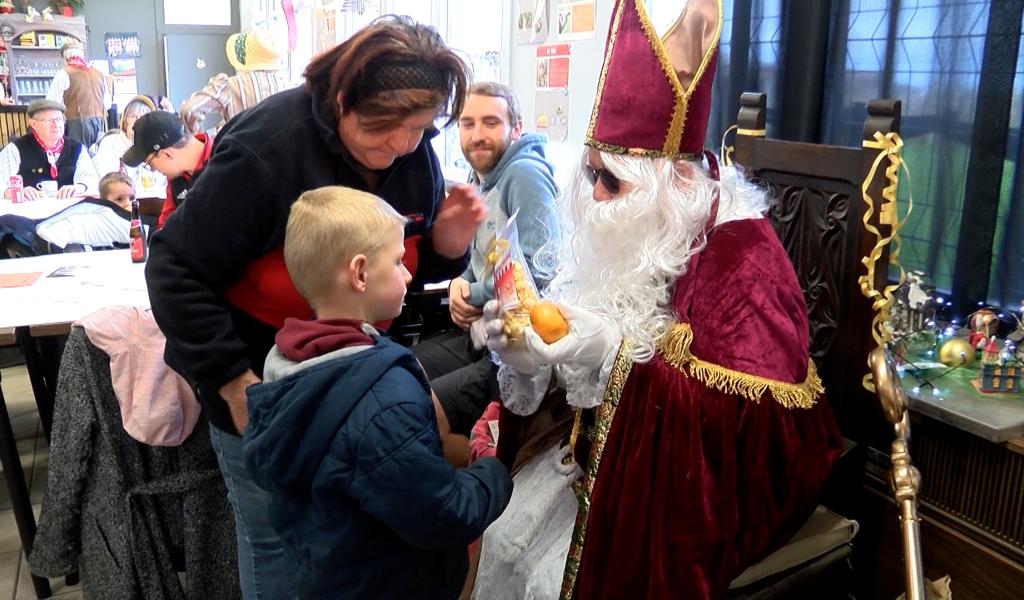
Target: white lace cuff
{"x":585,"y":387}
{"x":522,"y":393}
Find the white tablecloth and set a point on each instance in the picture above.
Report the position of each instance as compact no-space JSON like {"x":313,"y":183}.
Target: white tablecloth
{"x":95,"y":280}
{"x":36,"y":209}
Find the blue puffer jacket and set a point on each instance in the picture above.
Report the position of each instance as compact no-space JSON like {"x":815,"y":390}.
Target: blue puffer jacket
{"x":348,"y":446}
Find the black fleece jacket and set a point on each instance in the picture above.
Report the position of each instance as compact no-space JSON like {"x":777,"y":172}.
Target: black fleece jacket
{"x":236,"y":213}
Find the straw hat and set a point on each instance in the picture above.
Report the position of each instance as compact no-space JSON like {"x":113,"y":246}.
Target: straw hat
{"x":255,"y":50}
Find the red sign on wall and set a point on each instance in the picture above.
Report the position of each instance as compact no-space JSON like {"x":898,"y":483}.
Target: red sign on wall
{"x":553,"y":66}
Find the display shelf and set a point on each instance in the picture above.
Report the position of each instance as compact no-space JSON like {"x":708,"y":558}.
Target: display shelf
{"x":31,"y":67}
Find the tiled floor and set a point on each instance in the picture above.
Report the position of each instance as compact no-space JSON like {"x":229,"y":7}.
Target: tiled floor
{"x":15,"y":583}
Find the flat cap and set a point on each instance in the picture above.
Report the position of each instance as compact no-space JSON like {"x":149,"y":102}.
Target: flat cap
{"x":44,"y":104}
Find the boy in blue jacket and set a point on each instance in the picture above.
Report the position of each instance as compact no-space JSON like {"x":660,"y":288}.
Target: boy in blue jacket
{"x":343,"y":432}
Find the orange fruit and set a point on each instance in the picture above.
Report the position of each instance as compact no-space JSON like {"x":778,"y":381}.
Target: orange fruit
{"x":548,"y":321}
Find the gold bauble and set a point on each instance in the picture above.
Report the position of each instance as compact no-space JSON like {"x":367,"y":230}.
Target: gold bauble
{"x":956,"y":351}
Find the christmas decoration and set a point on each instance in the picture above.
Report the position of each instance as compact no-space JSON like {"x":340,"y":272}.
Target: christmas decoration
{"x":914,"y":305}
{"x":955,"y":352}
{"x":983,"y":323}
{"x":1001,"y":379}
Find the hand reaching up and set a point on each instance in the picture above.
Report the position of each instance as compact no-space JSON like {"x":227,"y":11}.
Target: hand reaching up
{"x":457,"y":219}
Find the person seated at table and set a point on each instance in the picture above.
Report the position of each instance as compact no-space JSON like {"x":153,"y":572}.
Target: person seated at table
{"x":44,"y":154}
{"x":162,"y":144}
{"x":97,"y":223}
{"x":146,"y":182}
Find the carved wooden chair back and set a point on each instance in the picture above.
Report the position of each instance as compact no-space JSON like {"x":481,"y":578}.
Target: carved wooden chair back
{"x":818,"y":214}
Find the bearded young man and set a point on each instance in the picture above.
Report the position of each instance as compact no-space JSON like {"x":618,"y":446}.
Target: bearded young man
{"x":678,"y":433}
{"x":514,"y":177}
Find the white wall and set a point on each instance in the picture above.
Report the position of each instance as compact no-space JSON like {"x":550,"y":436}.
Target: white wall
{"x":585,"y":60}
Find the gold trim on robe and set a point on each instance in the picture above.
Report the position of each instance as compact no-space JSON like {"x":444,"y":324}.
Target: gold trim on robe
{"x":674,"y":346}
{"x":584,"y":486}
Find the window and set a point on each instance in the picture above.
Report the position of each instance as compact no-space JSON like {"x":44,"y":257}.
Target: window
{"x":928,"y":54}
{"x":750,"y":62}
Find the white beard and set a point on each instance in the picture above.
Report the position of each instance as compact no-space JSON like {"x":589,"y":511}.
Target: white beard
{"x":621,"y":258}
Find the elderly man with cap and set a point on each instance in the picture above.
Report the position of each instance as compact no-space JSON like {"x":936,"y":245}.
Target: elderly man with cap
{"x":257,"y":59}
{"x":45,"y":154}
{"x":161,"y":144}
{"x":85,"y":91}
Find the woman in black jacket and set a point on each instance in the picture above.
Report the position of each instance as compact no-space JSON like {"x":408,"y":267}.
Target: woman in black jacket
{"x":216,"y":274}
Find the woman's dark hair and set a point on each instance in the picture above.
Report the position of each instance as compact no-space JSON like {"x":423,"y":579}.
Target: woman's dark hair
{"x":388,"y":70}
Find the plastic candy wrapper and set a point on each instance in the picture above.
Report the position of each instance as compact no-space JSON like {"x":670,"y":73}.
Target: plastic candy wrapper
{"x":514,"y":288}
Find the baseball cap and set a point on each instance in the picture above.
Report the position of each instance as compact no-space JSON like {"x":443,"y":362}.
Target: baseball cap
{"x":153,"y":131}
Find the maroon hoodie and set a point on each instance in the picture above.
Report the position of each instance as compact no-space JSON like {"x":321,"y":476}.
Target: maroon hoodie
{"x":300,"y":340}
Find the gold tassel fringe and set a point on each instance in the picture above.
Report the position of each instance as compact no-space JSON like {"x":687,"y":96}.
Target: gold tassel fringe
{"x":675,"y":347}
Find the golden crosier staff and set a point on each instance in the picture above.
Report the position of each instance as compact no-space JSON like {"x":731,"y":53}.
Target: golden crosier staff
{"x":904,"y":477}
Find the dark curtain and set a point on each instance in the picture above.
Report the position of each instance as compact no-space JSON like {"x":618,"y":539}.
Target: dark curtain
{"x":749,"y":59}
{"x":954,"y":64}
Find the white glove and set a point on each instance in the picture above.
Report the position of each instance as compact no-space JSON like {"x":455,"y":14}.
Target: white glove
{"x":588,"y":343}
{"x":519,"y":359}
{"x":477,"y":334}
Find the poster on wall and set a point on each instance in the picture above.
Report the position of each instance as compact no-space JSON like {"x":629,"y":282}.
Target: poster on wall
{"x":575,"y":19}
{"x":553,"y":66}
{"x":126,"y":87}
{"x":122,"y":45}
{"x":551,"y":113}
{"x":531,"y":21}
{"x":551,"y":103}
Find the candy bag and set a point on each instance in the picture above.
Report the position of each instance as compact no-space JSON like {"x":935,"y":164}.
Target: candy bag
{"x":514,"y":288}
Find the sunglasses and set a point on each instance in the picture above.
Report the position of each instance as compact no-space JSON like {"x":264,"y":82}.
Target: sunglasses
{"x":609,"y":181}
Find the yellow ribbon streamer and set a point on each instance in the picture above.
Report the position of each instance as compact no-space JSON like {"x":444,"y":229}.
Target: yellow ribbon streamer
{"x":725,"y":152}
{"x":889,"y":146}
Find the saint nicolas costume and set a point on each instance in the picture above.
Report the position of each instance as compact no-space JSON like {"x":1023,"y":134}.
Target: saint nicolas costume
{"x":702,"y":461}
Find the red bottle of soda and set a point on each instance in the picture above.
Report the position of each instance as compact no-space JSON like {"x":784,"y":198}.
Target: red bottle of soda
{"x":137,"y":236}
{"x":16,"y":187}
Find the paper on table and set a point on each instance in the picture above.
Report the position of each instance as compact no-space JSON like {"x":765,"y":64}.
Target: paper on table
{"x":10,"y":280}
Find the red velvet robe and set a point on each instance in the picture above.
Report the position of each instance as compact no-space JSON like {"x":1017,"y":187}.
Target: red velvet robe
{"x":700,"y":476}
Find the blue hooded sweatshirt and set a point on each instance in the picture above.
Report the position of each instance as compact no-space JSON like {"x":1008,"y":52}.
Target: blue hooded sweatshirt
{"x":523,"y":181}
{"x":348,"y":446}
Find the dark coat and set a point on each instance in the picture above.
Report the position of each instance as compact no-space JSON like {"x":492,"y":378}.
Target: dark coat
{"x":362,"y":496}
{"x":118,"y":511}
{"x":235,"y":218}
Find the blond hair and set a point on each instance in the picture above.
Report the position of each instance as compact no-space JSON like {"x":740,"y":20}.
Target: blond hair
{"x":108,"y":181}
{"x":328,"y":226}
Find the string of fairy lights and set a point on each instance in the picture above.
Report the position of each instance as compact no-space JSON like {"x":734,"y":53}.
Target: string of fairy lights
{"x":931,"y":347}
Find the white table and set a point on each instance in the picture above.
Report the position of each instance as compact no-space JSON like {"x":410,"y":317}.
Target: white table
{"x":96,"y":280}
{"x":37,"y":209}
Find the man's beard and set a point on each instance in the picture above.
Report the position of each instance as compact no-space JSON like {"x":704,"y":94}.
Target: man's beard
{"x":483,"y":163}
{"x":621,"y":258}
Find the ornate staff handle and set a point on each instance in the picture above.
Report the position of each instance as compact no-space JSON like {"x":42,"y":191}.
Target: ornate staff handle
{"x":904,"y":478}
